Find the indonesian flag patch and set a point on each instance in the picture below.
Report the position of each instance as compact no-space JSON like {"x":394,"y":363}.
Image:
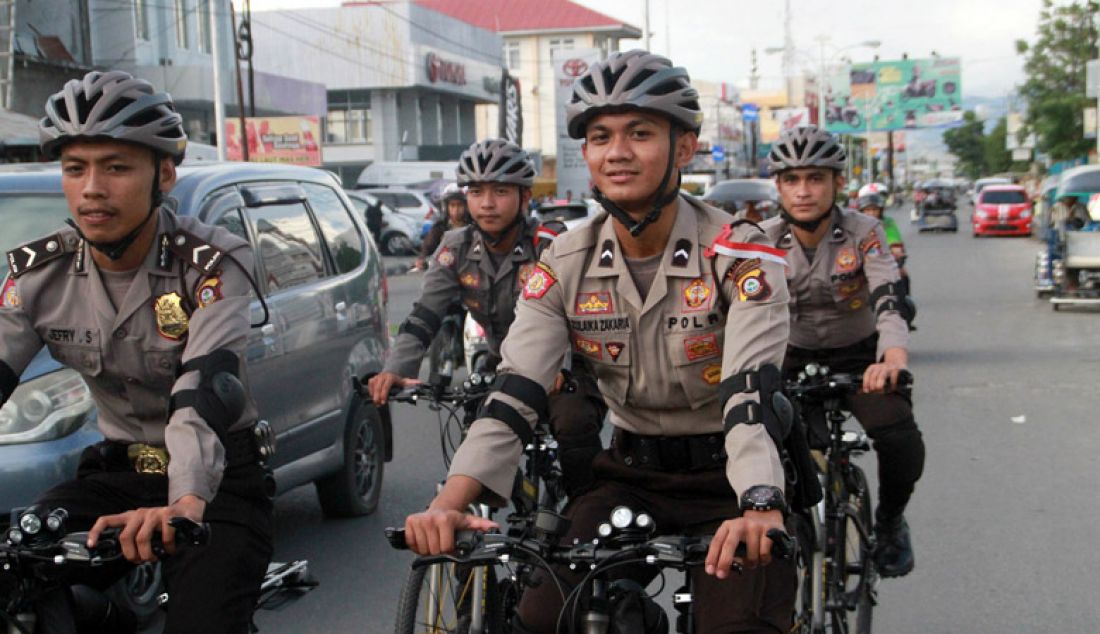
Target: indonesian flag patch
{"x":722,"y":245}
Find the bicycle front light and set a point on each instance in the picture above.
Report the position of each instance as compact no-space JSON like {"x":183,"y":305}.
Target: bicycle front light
{"x":48,"y":407}
{"x":30,"y":523}
{"x":622,"y":517}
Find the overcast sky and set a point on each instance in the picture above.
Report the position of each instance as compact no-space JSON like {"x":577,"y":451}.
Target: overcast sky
{"x":714,"y":39}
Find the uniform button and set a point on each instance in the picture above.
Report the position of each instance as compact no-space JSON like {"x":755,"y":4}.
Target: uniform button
{"x":629,"y":461}
{"x":131,"y":380}
{"x":120,"y":333}
{"x":716,"y":457}
{"x":164,"y":363}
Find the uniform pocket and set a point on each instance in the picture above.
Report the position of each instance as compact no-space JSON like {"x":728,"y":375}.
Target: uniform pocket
{"x":87,"y":360}
{"x":161,"y":365}
{"x":610,"y":356}
{"x":697,"y":359}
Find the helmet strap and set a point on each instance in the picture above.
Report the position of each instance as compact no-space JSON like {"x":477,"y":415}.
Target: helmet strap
{"x":807,"y":225}
{"x":661,"y":197}
{"x":117,"y":248}
{"x":494,"y":241}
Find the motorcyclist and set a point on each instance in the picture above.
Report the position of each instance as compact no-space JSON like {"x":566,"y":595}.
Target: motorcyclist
{"x":872,"y":204}
{"x":844,"y":314}
{"x":455,"y":216}
{"x":667,"y":300}
{"x":153,"y":310}
{"x":484,"y":266}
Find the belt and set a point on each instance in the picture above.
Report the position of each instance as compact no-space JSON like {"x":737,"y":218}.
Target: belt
{"x":242,"y":447}
{"x":671,"y":453}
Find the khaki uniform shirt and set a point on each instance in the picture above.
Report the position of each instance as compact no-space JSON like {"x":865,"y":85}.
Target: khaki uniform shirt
{"x":831,"y":296}
{"x":462,"y":271}
{"x":129,"y":357}
{"x":658,"y":362}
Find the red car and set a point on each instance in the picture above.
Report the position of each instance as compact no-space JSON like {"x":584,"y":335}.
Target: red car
{"x":1002,"y":210}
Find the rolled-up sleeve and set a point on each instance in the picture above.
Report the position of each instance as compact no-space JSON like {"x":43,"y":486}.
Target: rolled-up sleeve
{"x":198,"y":457}
{"x":757,"y":329}
{"x":441,"y":291}
{"x":882,"y":277}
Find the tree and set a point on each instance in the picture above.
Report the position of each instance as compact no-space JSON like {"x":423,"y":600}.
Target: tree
{"x":998,"y":158}
{"x":967,"y":143}
{"x":1055,"y":69}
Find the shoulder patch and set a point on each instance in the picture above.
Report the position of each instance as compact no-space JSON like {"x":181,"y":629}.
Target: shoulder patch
{"x":209,"y":291}
{"x":34,"y":254}
{"x":540,"y":281}
{"x":445,"y":257}
{"x":198,"y":253}
{"x":9,"y":297}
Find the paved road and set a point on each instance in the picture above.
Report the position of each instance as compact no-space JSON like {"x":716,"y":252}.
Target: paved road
{"x":1002,"y":520}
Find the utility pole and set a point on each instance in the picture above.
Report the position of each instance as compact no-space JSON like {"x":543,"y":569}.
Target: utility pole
{"x":645,"y":25}
{"x":788,"y":51}
{"x":219,"y":103}
{"x":754,"y":77}
{"x":240,"y":89}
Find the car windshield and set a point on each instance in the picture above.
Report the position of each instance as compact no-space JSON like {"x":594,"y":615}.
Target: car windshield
{"x":742,"y":190}
{"x":562,"y":213}
{"x":1013,"y":197}
{"x":29,"y":216}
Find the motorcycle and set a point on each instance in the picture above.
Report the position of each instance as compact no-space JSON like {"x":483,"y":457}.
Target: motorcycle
{"x":848,"y":114}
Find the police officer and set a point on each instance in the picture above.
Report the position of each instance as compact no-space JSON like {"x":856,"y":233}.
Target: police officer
{"x":153,"y":310}
{"x":455,"y":217}
{"x":485,"y":265}
{"x":666,"y":300}
{"x":844,"y":313}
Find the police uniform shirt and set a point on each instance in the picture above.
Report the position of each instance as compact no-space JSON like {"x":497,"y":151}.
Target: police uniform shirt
{"x":658,"y":361}
{"x":846,"y":292}
{"x":462,"y":270}
{"x":129,"y":357}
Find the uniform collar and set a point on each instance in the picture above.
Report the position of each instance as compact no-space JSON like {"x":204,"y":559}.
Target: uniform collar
{"x":158,"y":252}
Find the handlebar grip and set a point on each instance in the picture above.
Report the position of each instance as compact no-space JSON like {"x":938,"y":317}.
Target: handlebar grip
{"x":782,"y":544}
{"x":465,"y":541}
{"x":396,"y":538}
{"x":190,"y":532}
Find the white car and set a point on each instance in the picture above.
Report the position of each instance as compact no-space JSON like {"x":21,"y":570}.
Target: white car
{"x":570,"y":213}
{"x":401,"y":235}
{"x":413,"y":203}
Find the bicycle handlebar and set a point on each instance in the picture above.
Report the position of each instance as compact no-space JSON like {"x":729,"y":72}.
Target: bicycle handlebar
{"x":73,"y":547}
{"x":826,"y":384}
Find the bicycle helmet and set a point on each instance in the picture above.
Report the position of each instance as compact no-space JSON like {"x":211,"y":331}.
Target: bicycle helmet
{"x":634,"y":80}
{"x":807,"y":146}
{"x":871,"y":200}
{"x":113,"y":105}
{"x":495,"y":161}
{"x":453,"y":192}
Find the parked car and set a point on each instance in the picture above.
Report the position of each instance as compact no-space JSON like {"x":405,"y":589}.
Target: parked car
{"x":731,"y":195}
{"x":414,"y":203}
{"x":1002,"y":210}
{"x":400,"y":233}
{"x":570,"y":213}
{"x":324,"y":286}
{"x":982,"y":183}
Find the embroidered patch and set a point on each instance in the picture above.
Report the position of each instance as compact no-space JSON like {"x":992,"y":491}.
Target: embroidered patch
{"x":172,"y":320}
{"x":712,"y":374}
{"x":469,"y":279}
{"x":848,"y":289}
{"x":588,"y":347}
{"x":846,"y":260}
{"x":472,"y":303}
{"x":753,"y":286}
{"x":524,"y":274}
{"x":682,"y":253}
{"x":209,"y":291}
{"x":696,"y":296}
{"x":593,"y":303}
{"x":445,"y":257}
{"x":856,"y":304}
{"x":607,"y":254}
{"x":701,"y":347}
{"x":540,"y":281}
{"x":9,"y":298}
{"x":614,"y":349}
{"x":871,"y":246}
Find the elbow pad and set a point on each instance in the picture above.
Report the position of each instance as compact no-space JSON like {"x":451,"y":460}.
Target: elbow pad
{"x":220,"y":398}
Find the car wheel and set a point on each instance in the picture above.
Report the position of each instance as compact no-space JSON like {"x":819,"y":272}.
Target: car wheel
{"x":355,"y":489}
{"x":397,"y":244}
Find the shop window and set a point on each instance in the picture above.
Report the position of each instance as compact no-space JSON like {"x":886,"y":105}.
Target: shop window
{"x":141,"y":19}
{"x":511,"y":55}
{"x":181,"y":23}
{"x":204,"y":26}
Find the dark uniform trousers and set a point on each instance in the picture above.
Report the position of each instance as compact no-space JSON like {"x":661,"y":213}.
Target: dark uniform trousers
{"x":211,"y":588}
{"x":756,"y":601}
{"x":887,"y":418}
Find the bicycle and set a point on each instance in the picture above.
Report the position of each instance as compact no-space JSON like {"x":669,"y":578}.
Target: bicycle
{"x":836,"y":571}
{"x":626,"y":538}
{"x":446,"y":352}
{"x":449,"y":597}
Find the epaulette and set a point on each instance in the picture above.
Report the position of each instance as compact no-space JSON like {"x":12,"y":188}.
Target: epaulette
{"x":196,"y":252}
{"x":34,"y":254}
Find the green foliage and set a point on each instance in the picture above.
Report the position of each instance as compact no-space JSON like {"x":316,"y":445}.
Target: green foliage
{"x":967,"y":143}
{"x":1054,"y":63}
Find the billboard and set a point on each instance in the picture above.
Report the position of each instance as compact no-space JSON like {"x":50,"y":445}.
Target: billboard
{"x":894,"y":95}
{"x":293,"y":140}
{"x":572,"y":172}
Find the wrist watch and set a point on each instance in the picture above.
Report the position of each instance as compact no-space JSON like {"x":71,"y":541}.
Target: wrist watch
{"x":763,"y":497}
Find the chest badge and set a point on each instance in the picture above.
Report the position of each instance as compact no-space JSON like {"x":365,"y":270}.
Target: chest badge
{"x":445,"y":257}
{"x":469,"y":279}
{"x":846,"y":260}
{"x":524,"y":274}
{"x":614,"y":349}
{"x":696,"y":295}
{"x":593,"y":303}
{"x":172,"y":319}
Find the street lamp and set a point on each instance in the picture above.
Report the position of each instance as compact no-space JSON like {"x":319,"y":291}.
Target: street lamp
{"x":822,"y":60}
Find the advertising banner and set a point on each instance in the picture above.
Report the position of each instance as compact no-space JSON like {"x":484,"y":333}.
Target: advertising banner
{"x":573,"y":178}
{"x":511,"y":110}
{"x":894,"y":95}
{"x":294,"y":140}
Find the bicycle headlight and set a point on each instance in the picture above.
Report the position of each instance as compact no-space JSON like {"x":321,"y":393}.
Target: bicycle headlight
{"x":604,"y":530}
{"x":475,"y":379}
{"x":15,"y":536}
{"x":644,"y":521}
{"x":811,"y":369}
{"x":51,"y":406}
{"x":30,"y":523}
{"x":622,"y":517}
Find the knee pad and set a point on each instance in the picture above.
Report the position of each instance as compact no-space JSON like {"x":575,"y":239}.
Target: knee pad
{"x":900,"y":447}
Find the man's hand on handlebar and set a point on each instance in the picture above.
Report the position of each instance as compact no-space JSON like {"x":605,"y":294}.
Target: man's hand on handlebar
{"x":751,"y":529}
{"x":432,"y":532}
{"x":380,"y":384}
{"x":879,"y":376}
{"x":139,"y":526}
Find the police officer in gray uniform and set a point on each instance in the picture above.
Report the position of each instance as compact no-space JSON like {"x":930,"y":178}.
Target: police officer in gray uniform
{"x":153,"y":310}
{"x":845,"y":314}
{"x":684,"y":319}
{"x":485,"y":265}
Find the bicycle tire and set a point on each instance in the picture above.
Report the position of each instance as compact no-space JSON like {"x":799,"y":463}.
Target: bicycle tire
{"x":854,"y":570}
{"x":442,"y":349}
{"x":802,"y":530}
{"x":447,"y":608}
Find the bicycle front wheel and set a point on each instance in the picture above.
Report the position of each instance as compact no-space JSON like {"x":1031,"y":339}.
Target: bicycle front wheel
{"x":855,"y":560}
{"x":448,"y":598}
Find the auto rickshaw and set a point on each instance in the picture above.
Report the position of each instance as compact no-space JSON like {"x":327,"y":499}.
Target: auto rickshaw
{"x":1073,"y":255}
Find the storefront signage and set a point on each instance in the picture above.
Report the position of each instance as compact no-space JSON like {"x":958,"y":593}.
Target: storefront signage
{"x":440,"y":69}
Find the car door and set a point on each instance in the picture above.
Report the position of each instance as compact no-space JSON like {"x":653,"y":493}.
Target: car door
{"x":303,"y":399}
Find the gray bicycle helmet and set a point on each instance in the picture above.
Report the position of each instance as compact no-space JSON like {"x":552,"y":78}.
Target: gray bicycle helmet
{"x":634,"y":80}
{"x":495,"y":161}
{"x":113,"y":105}
{"x":808,"y":146}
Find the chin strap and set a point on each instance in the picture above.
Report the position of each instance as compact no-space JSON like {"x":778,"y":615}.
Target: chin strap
{"x":117,"y":248}
{"x":492,"y":240}
{"x":808,"y":225}
{"x":662,"y":199}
